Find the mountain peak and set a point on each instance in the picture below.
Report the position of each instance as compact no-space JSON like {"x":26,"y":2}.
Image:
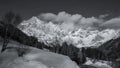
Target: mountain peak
{"x":50,"y":32}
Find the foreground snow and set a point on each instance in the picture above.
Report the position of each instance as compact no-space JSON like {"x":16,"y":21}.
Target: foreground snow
{"x":34,"y":58}
{"x":98,"y":63}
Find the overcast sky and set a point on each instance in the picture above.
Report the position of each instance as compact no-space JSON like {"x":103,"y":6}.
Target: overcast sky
{"x":88,"y":8}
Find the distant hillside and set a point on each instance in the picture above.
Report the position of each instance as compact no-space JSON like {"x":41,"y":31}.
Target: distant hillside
{"x":111,"y":48}
{"x":109,"y":51}
{"x":16,"y":34}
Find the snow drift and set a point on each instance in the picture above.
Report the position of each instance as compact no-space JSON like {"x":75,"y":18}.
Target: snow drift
{"x":34,"y":58}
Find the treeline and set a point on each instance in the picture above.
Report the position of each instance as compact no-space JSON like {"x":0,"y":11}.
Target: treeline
{"x":112,"y":49}
{"x":16,"y":35}
{"x":71,"y":51}
{"x":109,"y":51}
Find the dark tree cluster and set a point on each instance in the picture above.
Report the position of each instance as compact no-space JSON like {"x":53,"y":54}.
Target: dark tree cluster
{"x":69,"y":50}
{"x":15,"y":34}
{"x":95,"y":53}
{"x":111,"y":49}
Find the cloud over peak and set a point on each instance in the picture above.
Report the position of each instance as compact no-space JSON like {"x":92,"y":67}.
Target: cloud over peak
{"x":113,"y":23}
{"x":69,"y":21}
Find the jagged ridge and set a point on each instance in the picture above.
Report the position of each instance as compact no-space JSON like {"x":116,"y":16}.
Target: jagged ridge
{"x":52,"y":33}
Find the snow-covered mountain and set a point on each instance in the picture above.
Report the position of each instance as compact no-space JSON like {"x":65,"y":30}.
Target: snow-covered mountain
{"x":86,"y":38}
{"x":45,"y":32}
{"x":53,"y":33}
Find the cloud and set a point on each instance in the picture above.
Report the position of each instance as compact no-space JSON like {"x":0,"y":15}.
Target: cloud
{"x":113,"y":23}
{"x":103,"y":16}
{"x":88,"y":22}
{"x":47,"y":16}
{"x":63,"y":18}
{"x":69,"y":21}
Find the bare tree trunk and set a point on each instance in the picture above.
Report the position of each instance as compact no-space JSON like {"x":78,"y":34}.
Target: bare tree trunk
{"x":5,"y":41}
{"x":7,"y":38}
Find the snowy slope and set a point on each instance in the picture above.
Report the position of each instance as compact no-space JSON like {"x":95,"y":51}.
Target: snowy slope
{"x":34,"y":58}
{"x":50,"y":33}
{"x":45,"y":32}
{"x":98,"y":63}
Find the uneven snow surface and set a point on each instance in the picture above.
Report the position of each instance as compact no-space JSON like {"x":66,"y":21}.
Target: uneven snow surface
{"x":34,"y":58}
{"x":98,"y":63}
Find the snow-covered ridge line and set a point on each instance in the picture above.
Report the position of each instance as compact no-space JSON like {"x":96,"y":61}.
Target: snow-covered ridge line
{"x":50,"y":33}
